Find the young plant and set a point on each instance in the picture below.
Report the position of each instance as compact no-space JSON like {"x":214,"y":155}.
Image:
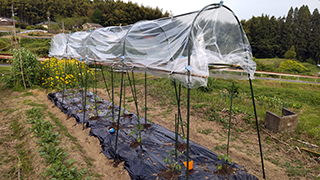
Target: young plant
{"x":226,"y":160}
{"x":174,"y":166}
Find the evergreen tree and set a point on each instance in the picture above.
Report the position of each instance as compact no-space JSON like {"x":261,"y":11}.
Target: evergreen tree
{"x":302,"y":32}
{"x":97,"y":16}
{"x":291,"y":53}
{"x":287,"y":33}
{"x":315,"y":36}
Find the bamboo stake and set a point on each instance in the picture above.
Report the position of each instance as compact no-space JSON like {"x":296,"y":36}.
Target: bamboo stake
{"x":24,"y":84}
{"x":308,"y":150}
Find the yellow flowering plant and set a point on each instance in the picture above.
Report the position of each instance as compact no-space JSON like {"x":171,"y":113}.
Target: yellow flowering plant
{"x":68,"y":73}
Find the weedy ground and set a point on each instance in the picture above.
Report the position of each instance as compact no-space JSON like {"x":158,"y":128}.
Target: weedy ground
{"x":210,"y":109}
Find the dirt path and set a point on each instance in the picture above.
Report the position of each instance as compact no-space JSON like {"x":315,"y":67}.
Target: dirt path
{"x":86,"y":151}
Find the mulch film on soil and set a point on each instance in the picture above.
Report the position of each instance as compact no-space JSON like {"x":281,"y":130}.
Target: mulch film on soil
{"x":145,"y":160}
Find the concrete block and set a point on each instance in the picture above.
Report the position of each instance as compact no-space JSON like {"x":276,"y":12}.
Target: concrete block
{"x":288,"y":122}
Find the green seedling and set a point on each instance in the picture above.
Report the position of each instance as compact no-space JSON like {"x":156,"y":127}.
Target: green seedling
{"x":174,"y":166}
{"x":226,"y":160}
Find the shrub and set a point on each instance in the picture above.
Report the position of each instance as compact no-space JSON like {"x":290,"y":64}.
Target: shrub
{"x":31,"y":67}
{"x":291,"y":53}
{"x":3,"y":45}
{"x":30,"y":27}
{"x":311,"y":61}
{"x":291,"y":66}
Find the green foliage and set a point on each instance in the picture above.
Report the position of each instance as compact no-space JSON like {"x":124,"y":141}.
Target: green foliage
{"x":61,"y":167}
{"x":3,"y":45}
{"x":31,"y":27}
{"x":311,"y":61}
{"x":57,"y":74}
{"x":291,"y":66}
{"x":172,"y":162}
{"x":39,"y":47}
{"x":96,"y":16}
{"x":31,"y":68}
{"x":271,"y":37}
{"x":291,"y":53}
{"x":225,"y":158}
{"x":111,"y":12}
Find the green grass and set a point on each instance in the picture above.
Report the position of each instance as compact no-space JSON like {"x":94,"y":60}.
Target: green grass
{"x":273,"y":64}
{"x":5,"y":69}
{"x":21,"y":157}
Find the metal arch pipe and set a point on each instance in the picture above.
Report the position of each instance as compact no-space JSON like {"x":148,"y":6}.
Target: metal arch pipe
{"x":188,"y":100}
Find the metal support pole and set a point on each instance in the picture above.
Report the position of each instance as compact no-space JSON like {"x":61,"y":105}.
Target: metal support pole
{"x":105,"y":82}
{"x":112,"y":92}
{"x":85,"y":99}
{"x":145,"y":93}
{"x":119,"y":115}
{"x":257,"y":124}
{"x":135,"y":99}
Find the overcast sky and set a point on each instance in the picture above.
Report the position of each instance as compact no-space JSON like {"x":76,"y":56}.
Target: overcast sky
{"x":244,"y":9}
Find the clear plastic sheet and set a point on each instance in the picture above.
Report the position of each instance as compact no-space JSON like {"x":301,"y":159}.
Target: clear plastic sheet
{"x":167,"y":46}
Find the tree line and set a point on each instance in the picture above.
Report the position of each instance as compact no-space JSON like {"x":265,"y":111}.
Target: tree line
{"x":273,"y":37}
{"x":269,"y":36}
{"x":76,"y":12}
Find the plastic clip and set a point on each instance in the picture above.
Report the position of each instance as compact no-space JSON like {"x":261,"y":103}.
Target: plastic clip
{"x":188,"y":68}
{"x":221,"y":3}
{"x":122,"y":57}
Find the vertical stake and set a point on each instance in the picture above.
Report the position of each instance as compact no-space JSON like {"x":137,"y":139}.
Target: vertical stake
{"x":85,"y":99}
{"x":119,"y":115}
{"x":112,"y":91}
{"x":105,"y":83}
{"x":145,"y":93}
{"x":231,"y":96}
{"x":257,"y":124}
{"x":64,"y":80}
{"x":24,"y":84}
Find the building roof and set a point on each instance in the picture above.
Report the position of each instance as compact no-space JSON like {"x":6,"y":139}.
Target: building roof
{"x":4,"y":19}
{"x":92,"y":25}
{"x":46,"y":23}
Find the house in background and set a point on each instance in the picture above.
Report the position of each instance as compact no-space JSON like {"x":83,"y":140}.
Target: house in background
{"x":46,"y":24}
{"x":91,"y":26}
{"x":6,"y":24}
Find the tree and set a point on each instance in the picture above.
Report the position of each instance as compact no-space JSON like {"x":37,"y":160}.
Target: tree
{"x":302,"y":32}
{"x":97,"y":16}
{"x":291,"y":53}
{"x":315,"y":36}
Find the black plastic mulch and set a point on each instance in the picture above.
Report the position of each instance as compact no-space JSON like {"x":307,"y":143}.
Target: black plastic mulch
{"x":143,"y":162}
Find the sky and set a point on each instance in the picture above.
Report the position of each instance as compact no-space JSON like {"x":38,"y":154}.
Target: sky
{"x":244,"y":9}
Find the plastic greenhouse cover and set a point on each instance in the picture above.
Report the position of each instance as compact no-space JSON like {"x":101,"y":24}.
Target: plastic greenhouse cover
{"x":160,"y":47}
{"x":145,"y":162}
